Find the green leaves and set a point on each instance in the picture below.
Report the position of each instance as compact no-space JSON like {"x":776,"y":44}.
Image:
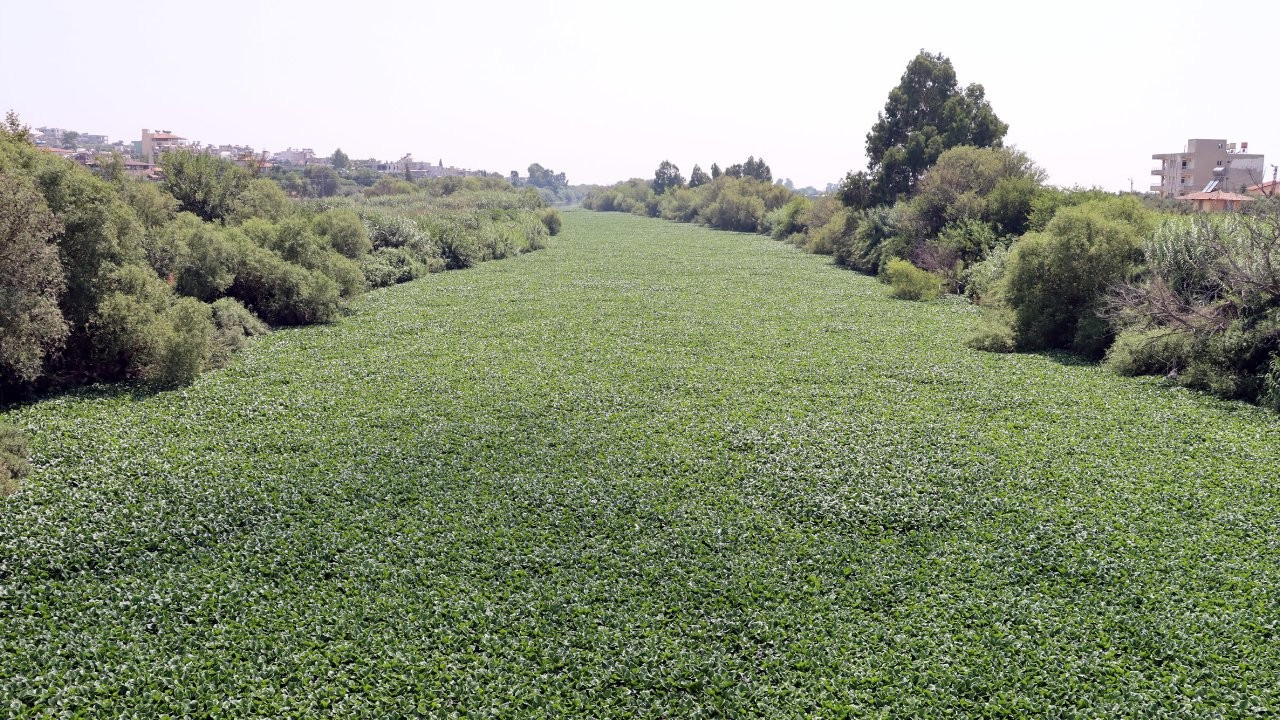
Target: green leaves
{"x":652,"y":471}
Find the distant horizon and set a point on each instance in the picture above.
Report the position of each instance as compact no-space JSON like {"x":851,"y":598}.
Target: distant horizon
{"x":604,"y":94}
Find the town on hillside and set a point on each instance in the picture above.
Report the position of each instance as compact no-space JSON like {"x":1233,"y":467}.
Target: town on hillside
{"x":142,"y":156}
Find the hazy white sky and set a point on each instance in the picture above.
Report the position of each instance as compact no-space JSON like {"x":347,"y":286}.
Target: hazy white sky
{"x":606,"y":90}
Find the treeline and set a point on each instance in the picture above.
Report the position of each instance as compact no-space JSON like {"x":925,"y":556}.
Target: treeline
{"x":105,"y":278}
{"x":739,"y":198}
{"x":944,"y":207}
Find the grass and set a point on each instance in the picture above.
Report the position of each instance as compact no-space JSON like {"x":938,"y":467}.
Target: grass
{"x":655,"y":471}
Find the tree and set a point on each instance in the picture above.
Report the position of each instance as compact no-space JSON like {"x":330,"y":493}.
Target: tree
{"x":111,"y":167}
{"x":991,"y":185}
{"x":757,"y":169}
{"x":698,"y":177}
{"x":13,"y":130}
{"x":546,"y":178}
{"x":925,"y":115}
{"x":715,"y":171}
{"x":667,"y":176}
{"x":69,"y":139}
{"x":203,"y":184}
{"x":340,"y":161}
{"x":324,"y":179}
{"x":31,"y":279}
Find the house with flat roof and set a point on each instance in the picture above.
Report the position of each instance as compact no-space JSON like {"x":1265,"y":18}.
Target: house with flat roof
{"x":155,"y":144}
{"x":1201,"y":163}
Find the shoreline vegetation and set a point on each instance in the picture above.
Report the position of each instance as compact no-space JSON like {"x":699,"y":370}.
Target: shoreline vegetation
{"x":653,"y":470}
{"x":1135,"y":282}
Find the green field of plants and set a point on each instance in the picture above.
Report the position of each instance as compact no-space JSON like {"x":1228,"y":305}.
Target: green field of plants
{"x":654,"y":470}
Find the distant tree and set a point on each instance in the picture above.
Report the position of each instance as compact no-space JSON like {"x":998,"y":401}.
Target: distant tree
{"x":715,"y":171}
{"x":69,"y":139}
{"x":734,"y":170}
{"x":110,"y":167}
{"x":515,"y":178}
{"x":926,"y":114}
{"x":323,"y":179}
{"x":252,"y":163}
{"x":546,"y":178}
{"x":698,"y":177}
{"x":13,"y":129}
{"x":340,"y":161}
{"x":667,"y":176}
{"x":364,"y":176}
{"x":203,"y":184}
{"x":757,"y":169}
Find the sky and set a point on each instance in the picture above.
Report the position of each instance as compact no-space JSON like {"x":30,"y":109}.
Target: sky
{"x":604,"y":91}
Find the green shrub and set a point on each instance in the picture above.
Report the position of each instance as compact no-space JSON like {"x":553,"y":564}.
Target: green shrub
{"x":262,"y":198}
{"x":550,"y":218}
{"x":791,"y":218}
{"x":208,"y":186}
{"x":14,"y":460}
{"x":193,"y":255}
{"x":458,"y":248}
{"x":994,"y":332}
{"x":832,"y":235}
{"x":983,"y":281}
{"x":233,"y":325}
{"x":140,"y":330}
{"x":344,"y":232}
{"x":281,"y":292}
{"x":680,"y":204}
{"x":533,"y":232}
{"x":875,"y":241}
{"x":127,"y":332}
{"x":1056,"y":279}
{"x":1271,"y":384}
{"x":389,"y":266}
{"x":733,"y":210}
{"x":1149,"y":352}
{"x":498,"y":241}
{"x":186,"y":344}
{"x":403,"y":232}
{"x":153,"y":207}
{"x":909,"y":282}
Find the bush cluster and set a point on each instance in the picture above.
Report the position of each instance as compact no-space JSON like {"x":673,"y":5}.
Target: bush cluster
{"x":1137,"y":282}
{"x":110,"y":278}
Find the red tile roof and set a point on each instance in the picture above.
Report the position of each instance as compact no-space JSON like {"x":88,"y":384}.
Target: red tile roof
{"x":166,"y":136}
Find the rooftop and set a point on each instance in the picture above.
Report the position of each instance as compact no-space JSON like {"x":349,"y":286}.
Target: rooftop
{"x":1228,"y":196}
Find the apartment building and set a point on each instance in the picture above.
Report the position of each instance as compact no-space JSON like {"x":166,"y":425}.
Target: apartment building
{"x":1204,"y":161}
{"x":155,"y":144}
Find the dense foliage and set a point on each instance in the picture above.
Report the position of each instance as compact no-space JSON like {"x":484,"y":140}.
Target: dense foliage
{"x":655,"y":471}
{"x":104,"y":277}
{"x":945,"y":205}
{"x":925,"y":115}
{"x":1206,"y":310}
{"x":738,"y":199}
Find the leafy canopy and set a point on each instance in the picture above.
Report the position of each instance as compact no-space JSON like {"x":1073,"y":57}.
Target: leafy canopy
{"x":926,"y":114}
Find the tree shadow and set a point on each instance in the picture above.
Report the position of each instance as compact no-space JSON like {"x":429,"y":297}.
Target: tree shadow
{"x":17,"y":398}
